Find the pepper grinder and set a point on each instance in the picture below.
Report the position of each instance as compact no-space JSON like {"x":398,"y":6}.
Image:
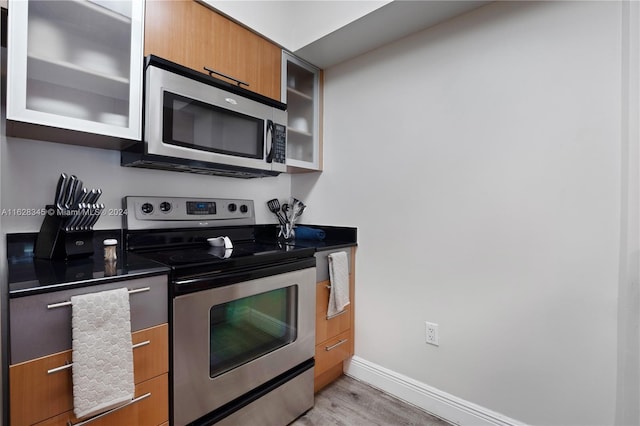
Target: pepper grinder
{"x":110,"y":248}
{"x":110,"y":264}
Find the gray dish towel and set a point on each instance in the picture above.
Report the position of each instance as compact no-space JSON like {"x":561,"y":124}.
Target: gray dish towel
{"x":339,"y":276}
{"x":102,"y":352}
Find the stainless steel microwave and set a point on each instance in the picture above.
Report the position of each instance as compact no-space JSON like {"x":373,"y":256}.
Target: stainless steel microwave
{"x":200,"y":124}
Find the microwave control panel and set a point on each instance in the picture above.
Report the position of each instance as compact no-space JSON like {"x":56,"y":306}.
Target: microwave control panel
{"x":279,"y":143}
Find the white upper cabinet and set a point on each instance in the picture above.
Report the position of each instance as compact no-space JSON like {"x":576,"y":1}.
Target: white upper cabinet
{"x":75,"y":65}
{"x":301,"y":93}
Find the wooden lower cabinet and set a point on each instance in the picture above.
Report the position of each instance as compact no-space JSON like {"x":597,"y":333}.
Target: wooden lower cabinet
{"x":150,"y":411}
{"x":327,"y":328}
{"x":333,"y":351}
{"x":37,"y":395}
{"x":334,"y":335}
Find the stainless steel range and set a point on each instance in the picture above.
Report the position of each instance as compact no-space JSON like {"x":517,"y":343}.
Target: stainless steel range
{"x":242,"y":311}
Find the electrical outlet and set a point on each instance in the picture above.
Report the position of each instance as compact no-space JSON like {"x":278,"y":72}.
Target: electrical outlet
{"x":432,"y":334}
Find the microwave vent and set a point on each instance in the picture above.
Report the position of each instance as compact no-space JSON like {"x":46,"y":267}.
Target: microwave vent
{"x":187,"y":168}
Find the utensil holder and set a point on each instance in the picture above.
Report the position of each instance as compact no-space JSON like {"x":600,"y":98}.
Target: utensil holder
{"x":55,"y":243}
{"x":286,"y":232}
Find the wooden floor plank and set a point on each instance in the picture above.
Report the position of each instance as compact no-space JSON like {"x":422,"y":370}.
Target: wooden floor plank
{"x":349,"y":402}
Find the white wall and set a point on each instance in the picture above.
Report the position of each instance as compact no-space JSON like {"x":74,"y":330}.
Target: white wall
{"x":481,"y":162}
{"x":628,"y":386}
{"x":30,"y":171}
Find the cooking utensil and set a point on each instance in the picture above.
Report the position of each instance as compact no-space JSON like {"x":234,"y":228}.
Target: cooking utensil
{"x":285,"y":211}
{"x":274,"y":207}
{"x":301,"y":207}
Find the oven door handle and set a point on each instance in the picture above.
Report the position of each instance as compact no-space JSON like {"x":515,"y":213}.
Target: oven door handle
{"x":220,"y":278}
{"x":192,"y":281}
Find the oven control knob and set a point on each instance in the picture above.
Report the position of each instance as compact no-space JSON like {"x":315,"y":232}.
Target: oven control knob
{"x":147,"y":208}
{"x":165,"y":206}
{"x":244,"y":208}
{"x":233,"y":207}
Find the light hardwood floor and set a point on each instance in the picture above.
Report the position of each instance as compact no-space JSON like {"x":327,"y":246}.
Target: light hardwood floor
{"x":349,"y":402}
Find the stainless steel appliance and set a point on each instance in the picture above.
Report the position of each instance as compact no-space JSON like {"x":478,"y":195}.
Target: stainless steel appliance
{"x":201,"y":124}
{"x":242,"y":318}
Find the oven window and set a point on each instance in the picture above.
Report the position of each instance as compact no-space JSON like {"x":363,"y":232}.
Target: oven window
{"x":194,"y":124}
{"x":245,"y":329}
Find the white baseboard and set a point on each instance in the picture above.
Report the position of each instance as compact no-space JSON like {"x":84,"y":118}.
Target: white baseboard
{"x":441,"y":404}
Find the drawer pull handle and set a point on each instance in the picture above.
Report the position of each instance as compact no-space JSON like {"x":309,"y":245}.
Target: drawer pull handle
{"x":344,"y":311}
{"x":329,"y":348}
{"x":61,"y":304}
{"x":106,"y":413}
{"x":70,"y":364}
{"x":138,"y":345}
{"x":64,"y":367}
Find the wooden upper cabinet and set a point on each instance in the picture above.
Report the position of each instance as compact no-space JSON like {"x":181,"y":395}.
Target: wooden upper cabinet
{"x":191,"y":34}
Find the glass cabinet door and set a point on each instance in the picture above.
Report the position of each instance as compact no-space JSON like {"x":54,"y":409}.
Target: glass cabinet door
{"x":77,"y":65}
{"x":301,"y":93}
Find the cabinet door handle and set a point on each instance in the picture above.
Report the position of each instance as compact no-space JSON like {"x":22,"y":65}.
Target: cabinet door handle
{"x":61,"y":304}
{"x":340,"y":342}
{"x":133,"y":401}
{"x":69,"y":365}
{"x":238,"y":82}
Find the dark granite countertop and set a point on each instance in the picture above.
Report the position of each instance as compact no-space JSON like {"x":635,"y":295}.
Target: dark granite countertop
{"x":28,"y":275}
{"x":335,"y":236}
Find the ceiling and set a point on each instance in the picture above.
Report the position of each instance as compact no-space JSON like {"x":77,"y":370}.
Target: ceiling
{"x":327,"y":32}
{"x":384,"y":25}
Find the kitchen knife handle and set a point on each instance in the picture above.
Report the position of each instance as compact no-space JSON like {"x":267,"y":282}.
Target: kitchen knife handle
{"x":60,"y":190}
{"x":71,"y":189}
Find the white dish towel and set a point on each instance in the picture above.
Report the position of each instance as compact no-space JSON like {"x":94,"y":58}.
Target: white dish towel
{"x":102,"y":352}
{"x":339,"y":276}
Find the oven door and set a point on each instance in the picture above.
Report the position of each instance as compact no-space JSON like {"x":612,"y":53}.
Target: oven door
{"x":190,"y":120}
{"x":229,"y":340}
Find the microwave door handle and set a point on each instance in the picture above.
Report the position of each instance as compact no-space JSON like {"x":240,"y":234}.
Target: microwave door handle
{"x":270,"y":131}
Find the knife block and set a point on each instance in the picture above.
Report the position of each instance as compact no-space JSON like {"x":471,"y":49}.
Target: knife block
{"x":55,"y":243}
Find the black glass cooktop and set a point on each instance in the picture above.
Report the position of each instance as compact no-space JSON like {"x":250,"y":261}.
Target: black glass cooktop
{"x":201,"y":267}
{"x":246,"y":252}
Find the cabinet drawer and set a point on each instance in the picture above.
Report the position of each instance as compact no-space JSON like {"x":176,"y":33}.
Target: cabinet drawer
{"x":36,"y":395}
{"x":152,"y":359}
{"x":37,"y":331}
{"x":322,"y":297}
{"x":150,"y":411}
{"x":329,"y":327}
{"x":332,"y":352}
